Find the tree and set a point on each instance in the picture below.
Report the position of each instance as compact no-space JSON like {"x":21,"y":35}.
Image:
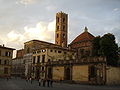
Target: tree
{"x":109,"y":49}
{"x":96,"y":46}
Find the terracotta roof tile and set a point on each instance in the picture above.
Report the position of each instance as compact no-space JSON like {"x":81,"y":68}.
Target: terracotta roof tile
{"x":82,"y":37}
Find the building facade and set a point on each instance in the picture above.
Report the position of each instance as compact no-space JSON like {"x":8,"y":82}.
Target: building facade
{"x":18,"y":64}
{"x":83,"y":44}
{"x":6,"y":54}
{"x":44,"y":56}
{"x":29,"y":47}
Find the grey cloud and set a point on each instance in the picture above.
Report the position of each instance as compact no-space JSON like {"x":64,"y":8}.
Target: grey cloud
{"x":116,"y":32}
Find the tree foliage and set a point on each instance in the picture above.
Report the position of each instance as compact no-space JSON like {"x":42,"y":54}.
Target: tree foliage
{"x":106,"y":46}
{"x":96,"y":46}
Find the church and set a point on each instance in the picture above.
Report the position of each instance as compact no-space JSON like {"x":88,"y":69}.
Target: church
{"x":63,"y":62}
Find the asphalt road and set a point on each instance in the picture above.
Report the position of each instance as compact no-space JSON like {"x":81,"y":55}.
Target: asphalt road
{"x":21,"y":84}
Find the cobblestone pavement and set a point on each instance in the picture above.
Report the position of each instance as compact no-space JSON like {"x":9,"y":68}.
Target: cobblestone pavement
{"x":21,"y":84}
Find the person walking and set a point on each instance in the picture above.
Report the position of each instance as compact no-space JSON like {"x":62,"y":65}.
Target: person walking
{"x":48,"y":82}
{"x":30,"y":80}
{"x":51,"y":82}
{"x":27,"y":79}
{"x":44,"y":82}
{"x":39,"y":81}
{"x":7,"y":78}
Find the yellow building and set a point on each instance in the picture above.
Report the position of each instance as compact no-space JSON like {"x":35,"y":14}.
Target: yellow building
{"x":6,"y":54}
{"x":44,"y":56}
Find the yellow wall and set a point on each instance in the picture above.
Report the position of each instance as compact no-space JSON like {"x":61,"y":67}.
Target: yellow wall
{"x":58,"y":73}
{"x":80,"y":73}
{"x":113,"y":75}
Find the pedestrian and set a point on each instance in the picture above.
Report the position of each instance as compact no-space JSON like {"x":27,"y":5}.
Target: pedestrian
{"x":48,"y":81}
{"x":39,"y":81}
{"x":7,"y":78}
{"x":30,"y":80}
{"x":51,"y":82}
{"x":26,"y":79}
{"x":44,"y":82}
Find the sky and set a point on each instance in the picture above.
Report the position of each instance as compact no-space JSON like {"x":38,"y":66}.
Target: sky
{"x":24,"y":20}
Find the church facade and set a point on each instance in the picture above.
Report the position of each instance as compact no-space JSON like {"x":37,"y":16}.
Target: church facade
{"x":62,"y":62}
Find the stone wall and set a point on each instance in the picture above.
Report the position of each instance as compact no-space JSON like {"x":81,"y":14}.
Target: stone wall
{"x":58,"y":73}
{"x":113,"y":76}
{"x":80,"y":73}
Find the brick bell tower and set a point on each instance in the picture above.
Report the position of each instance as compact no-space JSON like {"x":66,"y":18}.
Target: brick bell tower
{"x":61,"y":29}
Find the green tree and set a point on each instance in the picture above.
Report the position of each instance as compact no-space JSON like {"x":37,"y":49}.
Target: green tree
{"x":109,"y":48}
{"x":96,"y":46}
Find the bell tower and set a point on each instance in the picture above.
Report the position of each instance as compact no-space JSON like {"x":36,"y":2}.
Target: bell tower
{"x":61,"y":29}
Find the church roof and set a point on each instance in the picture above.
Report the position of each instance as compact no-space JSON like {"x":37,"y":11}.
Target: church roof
{"x":83,"y":36}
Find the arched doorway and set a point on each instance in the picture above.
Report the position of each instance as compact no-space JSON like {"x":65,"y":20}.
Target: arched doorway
{"x":49,"y":73}
{"x":67,"y":73}
{"x":37,"y":74}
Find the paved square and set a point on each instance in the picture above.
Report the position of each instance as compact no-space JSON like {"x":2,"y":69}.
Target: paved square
{"x":21,"y":84}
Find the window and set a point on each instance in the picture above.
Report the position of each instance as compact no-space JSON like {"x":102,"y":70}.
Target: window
{"x":34,"y":59}
{"x":7,"y":54}
{"x":0,"y":52}
{"x":42,"y":68}
{"x":51,"y":50}
{"x":38,"y":51}
{"x":5,"y":70}
{"x":64,"y":52}
{"x":57,"y":27}
{"x":5,"y":62}
{"x":43,"y":58}
{"x":92,"y":71}
{"x":23,"y":61}
{"x":57,"y":35}
{"x":34,"y":52}
{"x":38,"y":59}
{"x":63,"y":36}
{"x":48,"y":60}
{"x":63,"y":19}
{"x":59,"y":51}
{"x":57,"y":19}
{"x":0,"y":61}
{"x":43,"y":50}
{"x":55,"y":51}
{"x":33,"y":68}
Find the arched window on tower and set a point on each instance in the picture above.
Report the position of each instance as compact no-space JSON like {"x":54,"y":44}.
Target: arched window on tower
{"x":57,"y":27}
{"x":63,"y":36}
{"x":58,"y":19}
{"x":57,"y":35}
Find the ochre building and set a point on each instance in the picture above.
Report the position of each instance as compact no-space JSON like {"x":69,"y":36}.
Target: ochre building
{"x":6,"y":54}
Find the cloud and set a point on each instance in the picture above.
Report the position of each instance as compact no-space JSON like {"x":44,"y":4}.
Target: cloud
{"x":116,"y":32}
{"x":51,"y":8}
{"x":25,"y":2}
{"x":13,"y":36}
{"x":42,"y":31}
{"x":115,"y":9}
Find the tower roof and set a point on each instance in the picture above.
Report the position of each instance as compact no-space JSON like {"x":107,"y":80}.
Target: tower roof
{"x":83,"y":36}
